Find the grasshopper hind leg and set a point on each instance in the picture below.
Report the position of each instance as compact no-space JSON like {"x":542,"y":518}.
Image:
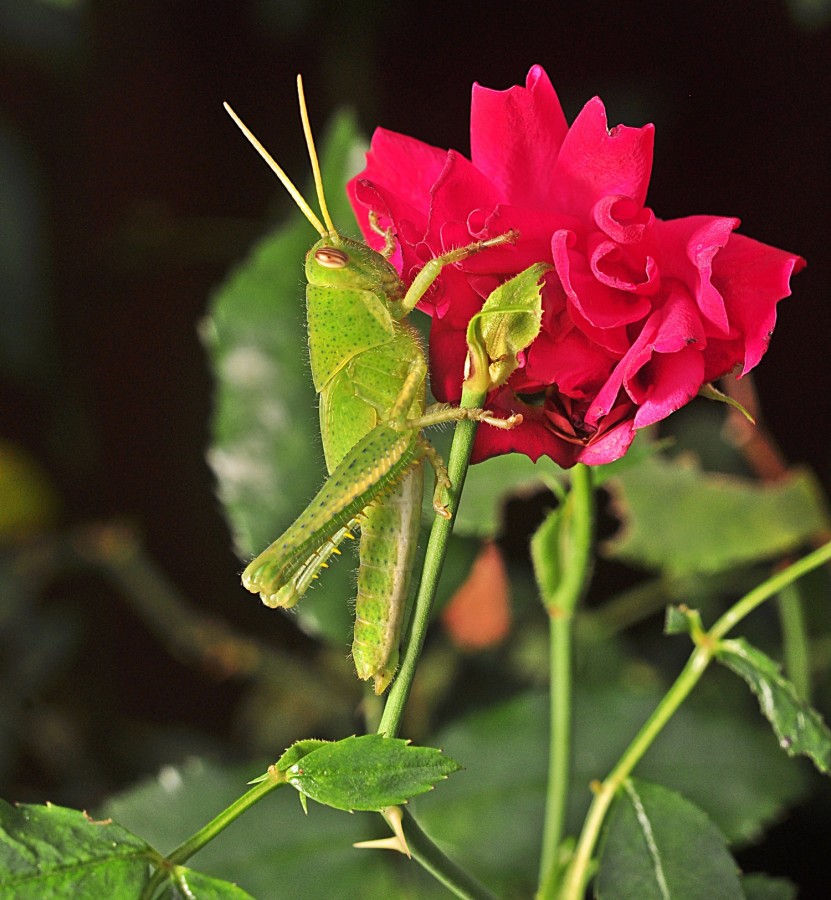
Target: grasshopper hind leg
{"x":389,"y":537}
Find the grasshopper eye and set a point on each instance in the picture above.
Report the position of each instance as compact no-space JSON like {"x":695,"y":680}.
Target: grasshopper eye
{"x":331,"y":258}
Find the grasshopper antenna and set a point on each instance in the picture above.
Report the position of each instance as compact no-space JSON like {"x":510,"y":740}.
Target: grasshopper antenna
{"x":307,"y":130}
{"x":286,"y":181}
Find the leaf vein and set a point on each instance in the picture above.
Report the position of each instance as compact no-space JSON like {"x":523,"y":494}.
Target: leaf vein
{"x":649,"y":837}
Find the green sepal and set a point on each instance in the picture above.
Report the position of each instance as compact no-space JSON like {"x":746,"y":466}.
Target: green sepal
{"x":798,"y":726}
{"x":711,"y":392}
{"x":508,"y":322}
{"x":683,"y":620}
{"x":295,"y":752}
{"x":369,"y":772}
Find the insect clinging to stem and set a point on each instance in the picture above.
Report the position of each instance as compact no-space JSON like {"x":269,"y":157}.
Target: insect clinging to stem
{"x":370,"y":372}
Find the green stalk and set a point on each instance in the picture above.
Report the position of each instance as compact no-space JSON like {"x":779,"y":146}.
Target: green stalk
{"x":421,"y":846}
{"x":577,"y":875}
{"x":457,"y":465}
{"x":208,"y":832}
{"x":443,"y":869}
{"x":795,"y":649}
{"x":576,"y":542}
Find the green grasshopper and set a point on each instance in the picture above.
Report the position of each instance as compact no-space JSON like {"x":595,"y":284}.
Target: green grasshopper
{"x":370,"y":371}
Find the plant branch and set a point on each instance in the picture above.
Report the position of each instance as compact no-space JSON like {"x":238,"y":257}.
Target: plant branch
{"x":795,"y":644}
{"x":208,"y":832}
{"x":437,"y":544}
{"x":577,"y":874}
{"x":441,"y":867}
{"x":575,"y":545}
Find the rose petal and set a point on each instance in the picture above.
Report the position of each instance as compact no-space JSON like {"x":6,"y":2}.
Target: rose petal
{"x":405,"y":165}
{"x":407,"y":222}
{"x":609,"y":446}
{"x":688,"y":247}
{"x":459,"y":188}
{"x":598,"y":304}
{"x":596,"y":161}
{"x":752,"y":277}
{"x":515,"y":136}
{"x":672,"y":380}
{"x":576,"y":365}
{"x":621,"y":218}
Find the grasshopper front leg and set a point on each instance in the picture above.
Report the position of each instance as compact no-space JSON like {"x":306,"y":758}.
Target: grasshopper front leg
{"x":432,"y":268}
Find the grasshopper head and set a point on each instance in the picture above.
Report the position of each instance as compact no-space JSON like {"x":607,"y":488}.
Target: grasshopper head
{"x":335,"y":261}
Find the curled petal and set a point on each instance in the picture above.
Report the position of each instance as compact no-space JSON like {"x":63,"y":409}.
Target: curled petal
{"x":670,"y":381}
{"x":621,"y":218}
{"x":600,"y":305}
{"x":671,"y":330}
{"x":609,"y":445}
{"x":615,"y":268}
{"x":688,"y":248}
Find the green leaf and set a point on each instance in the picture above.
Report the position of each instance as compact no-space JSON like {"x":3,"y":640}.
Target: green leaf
{"x":799,"y":728}
{"x":297,"y":751}
{"x":681,"y":520}
{"x":190,"y":884}
{"x":50,"y":852}
{"x":507,"y":323}
{"x":274,"y":850}
{"x":487,"y":811}
{"x":657,"y":846}
{"x":762,"y":887}
{"x":266,"y":450}
{"x":369,"y":772}
{"x":549,"y":552}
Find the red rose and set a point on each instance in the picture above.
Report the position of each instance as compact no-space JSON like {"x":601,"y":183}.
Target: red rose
{"x":638,"y":313}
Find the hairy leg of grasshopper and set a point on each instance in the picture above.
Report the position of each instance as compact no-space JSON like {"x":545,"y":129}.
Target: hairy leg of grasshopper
{"x":438,"y":412}
{"x":372,"y":467}
{"x":444,"y":412}
{"x":443,"y":483}
{"x":432,"y":268}
{"x":386,"y":233}
{"x":389,"y":537}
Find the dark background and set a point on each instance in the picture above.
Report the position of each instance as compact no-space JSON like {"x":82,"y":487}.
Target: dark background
{"x":138,"y":194}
